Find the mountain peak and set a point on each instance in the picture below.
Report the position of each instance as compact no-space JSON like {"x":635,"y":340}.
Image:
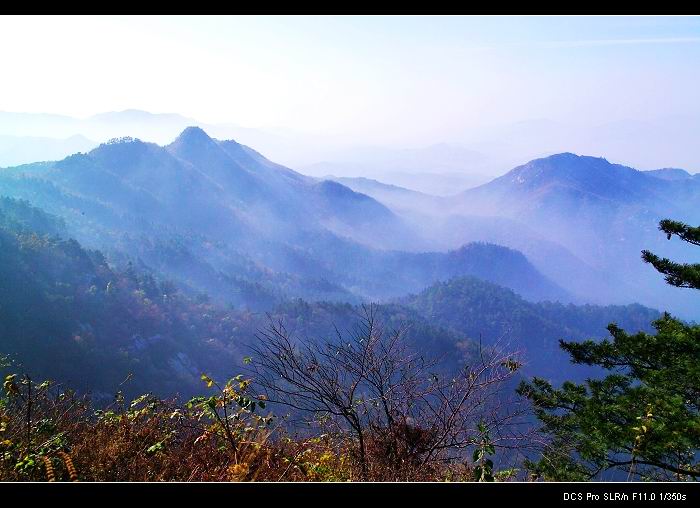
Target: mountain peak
{"x":122,"y":146}
{"x":193,"y":134}
{"x":566,"y":181}
{"x":571,"y":157}
{"x":124,"y":140}
{"x":564,"y":166}
{"x":124,"y":152}
{"x":564,"y":155}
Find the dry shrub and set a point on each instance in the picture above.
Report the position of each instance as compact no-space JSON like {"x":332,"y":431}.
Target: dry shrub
{"x":50,"y":434}
{"x":383,"y":416}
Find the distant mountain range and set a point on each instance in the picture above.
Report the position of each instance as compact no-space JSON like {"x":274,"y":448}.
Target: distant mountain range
{"x":217,"y":216}
{"x":69,"y":315}
{"x":582,"y":221}
{"x":56,"y":131}
{"x":140,"y":245}
{"x":442,"y":169}
{"x":649,"y":144}
{"x":605,"y":213}
{"x":436,"y":166}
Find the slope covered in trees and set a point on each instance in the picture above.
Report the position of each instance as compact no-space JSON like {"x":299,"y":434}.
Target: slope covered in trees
{"x":216,"y":216}
{"x":603,"y":213}
{"x":481,"y":309}
{"x":71,"y":315}
{"x":580,"y":220}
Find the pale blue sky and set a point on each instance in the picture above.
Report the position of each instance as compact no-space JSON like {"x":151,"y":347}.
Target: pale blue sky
{"x":381,"y":79}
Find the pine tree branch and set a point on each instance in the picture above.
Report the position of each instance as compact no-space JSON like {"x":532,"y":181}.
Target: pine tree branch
{"x":682,"y":275}
{"x":683,"y":231}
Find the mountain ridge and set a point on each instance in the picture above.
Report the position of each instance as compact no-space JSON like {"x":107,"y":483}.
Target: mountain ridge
{"x":200,"y":209}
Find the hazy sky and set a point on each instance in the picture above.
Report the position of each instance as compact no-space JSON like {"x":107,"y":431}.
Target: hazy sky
{"x":373,"y":78}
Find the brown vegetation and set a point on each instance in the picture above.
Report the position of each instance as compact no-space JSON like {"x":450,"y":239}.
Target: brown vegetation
{"x":362,"y":407}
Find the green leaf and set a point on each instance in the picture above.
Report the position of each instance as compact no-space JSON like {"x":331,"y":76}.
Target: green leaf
{"x":209,"y":381}
{"x":155,"y":448}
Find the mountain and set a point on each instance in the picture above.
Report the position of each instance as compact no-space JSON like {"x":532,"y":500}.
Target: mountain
{"x":545,"y":183}
{"x":442,"y":168}
{"x":69,"y":316}
{"x":144,"y":118}
{"x":653,"y":143}
{"x":581,"y":221}
{"x":581,"y":195}
{"x":603,"y":213}
{"x":101,"y":127}
{"x":445,"y":230}
{"x":399,"y":199}
{"x":284,"y":144}
{"x":218,"y":217}
{"x":494,"y":316}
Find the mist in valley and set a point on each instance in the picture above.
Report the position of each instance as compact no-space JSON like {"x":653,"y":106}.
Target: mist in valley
{"x":480,"y":186}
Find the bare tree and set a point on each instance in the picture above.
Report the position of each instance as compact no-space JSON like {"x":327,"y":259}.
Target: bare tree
{"x":391,"y":399}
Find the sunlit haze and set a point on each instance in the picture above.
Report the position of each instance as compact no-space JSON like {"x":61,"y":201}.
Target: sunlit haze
{"x":351,"y":248}
{"x":400,"y":81}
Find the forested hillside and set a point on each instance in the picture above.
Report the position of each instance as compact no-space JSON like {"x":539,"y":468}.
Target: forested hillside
{"x":217,"y":217}
{"x":483,"y":310}
{"x":69,"y":315}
